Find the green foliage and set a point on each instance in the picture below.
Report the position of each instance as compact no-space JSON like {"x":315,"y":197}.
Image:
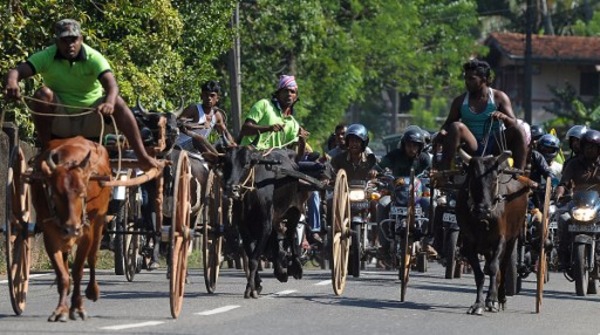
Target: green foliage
{"x":591,"y":28}
{"x":572,"y":109}
{"x":345,"y":53}
{"x":422,"y":54}
{"x":429,"y":114}
{"x":159,"y":50}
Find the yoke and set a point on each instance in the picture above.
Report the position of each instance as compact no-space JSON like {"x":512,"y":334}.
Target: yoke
{"x":308,"y":180}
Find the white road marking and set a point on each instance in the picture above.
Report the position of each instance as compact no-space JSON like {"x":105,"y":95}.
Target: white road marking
{"x":30,"y":276}
{"x":285,"y":292}
{"x":219,"y":310}
{"x":134,"y":325}
{"x":279,"y":294}
{"x":324,"y":282}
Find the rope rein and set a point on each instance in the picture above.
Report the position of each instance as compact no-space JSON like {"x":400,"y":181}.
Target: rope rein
{"x":85,"y":111}
{"x":249,"y":180}
{"x":268,"y":138}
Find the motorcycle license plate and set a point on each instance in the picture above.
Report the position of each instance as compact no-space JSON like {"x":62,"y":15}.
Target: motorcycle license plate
{"x":403,"y":211}
{"x":449,"y":218}
{"x":584,"y":228}
{"x":399,"y":211}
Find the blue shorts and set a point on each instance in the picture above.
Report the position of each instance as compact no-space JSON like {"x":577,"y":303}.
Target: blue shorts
{"x":492,"y":144}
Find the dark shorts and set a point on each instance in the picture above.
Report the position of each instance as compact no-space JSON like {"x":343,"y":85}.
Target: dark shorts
{"x":492,"y":144}
{"x":88,"y":125}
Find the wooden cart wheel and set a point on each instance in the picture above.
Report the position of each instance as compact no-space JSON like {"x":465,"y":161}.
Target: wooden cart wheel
{"x":17,"y":239}
{"x":120,"y":224}
{"x":542,"y":263}
{"x":180,"y":232}
{"x":340,"y":232}
{"x":407,"y":243}
{"x":131,"y":240}
{"x":212,"y":235}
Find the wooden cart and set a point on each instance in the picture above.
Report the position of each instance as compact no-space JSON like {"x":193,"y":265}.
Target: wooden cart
{"x":172,"y":184}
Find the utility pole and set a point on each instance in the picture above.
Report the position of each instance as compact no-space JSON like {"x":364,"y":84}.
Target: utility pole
{"x":528,"y":66}
{"x":234,"y":73}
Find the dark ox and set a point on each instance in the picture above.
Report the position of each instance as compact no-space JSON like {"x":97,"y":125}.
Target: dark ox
{"x":71,"y":209}
{"x":268,"y":206}
{"x":490,"y":211}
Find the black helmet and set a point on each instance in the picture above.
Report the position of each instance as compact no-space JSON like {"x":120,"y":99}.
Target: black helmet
{"x":413,"y":134}
{"x":359,"y":131}
{"x":590,"y":137}
{"x":549,"y":145}
{"x":537,"y":131}
{"x":426,"y":136}
{"x":576,"y":131}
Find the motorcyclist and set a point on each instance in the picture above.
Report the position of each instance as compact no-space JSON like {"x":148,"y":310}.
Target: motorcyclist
{"x":409,"y":155}
{"x":539,"y":171}
{"x":573,"y":137}
{"x":400,"y":161}
{"x":579,"y":174}
{"x":537,"y":131}
{"x":358,"y":164}
{"x":549,"y":146}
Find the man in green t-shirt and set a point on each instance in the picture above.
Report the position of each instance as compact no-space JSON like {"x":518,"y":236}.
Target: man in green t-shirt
{"x":273,"y":122}
{"x":76,"y":77}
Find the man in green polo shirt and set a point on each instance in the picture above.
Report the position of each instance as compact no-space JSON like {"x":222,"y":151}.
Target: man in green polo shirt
{"x":75,"y":77}
{"x":273,"y":122}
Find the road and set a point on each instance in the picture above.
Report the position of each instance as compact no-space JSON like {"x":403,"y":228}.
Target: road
{"x":369,"y":305}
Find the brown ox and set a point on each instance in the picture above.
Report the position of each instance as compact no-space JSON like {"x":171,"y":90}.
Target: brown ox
{"x":71,"y":209}
{"x":490,"y":210}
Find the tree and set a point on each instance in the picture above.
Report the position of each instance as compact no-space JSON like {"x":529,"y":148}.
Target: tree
{"x":156,"y":52}
{"x":572,"y":109}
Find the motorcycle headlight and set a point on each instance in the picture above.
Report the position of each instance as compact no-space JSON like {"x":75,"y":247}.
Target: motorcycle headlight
{"x":375,"y":196}
{"x":357,"y":195}
{"x":583,"y":214}
{"x":452,"y":203}
{"x":551,"y":210}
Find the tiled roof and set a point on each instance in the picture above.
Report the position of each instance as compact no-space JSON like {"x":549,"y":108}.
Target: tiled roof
{"x":545,"y":47}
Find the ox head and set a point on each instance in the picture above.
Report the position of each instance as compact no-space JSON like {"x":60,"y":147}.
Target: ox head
{"x":482,"y":183}
{"x":67,"y":182}
{"x":150,"y":123}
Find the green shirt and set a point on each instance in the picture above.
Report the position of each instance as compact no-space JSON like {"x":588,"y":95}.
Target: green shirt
{"x":266,"y":113}
{"x":76,"y":83}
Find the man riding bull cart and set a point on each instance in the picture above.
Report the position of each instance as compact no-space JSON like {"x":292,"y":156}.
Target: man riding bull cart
{"x":492,"y":202}
{"x":72,"y":178}
{"x":270,"y":183}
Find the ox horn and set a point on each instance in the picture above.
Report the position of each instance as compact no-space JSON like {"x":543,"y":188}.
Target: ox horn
{"x":84,"y":162}
{"x":179,"y":109}
{"x":464,"y":155}
{"x":48,"y":166}
{"x":141,"y":108}
{"x":504,"y":156}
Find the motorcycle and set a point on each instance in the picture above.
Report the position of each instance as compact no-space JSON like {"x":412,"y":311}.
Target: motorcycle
{"x":445,"y":212}
{"x":584,"y":231}
{"x":528,"y":246}
{"x":393,"y":228}
{"x":362,"y":247}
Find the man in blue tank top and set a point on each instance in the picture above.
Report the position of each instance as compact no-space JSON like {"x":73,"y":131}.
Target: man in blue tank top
{"x":481,"y":121}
